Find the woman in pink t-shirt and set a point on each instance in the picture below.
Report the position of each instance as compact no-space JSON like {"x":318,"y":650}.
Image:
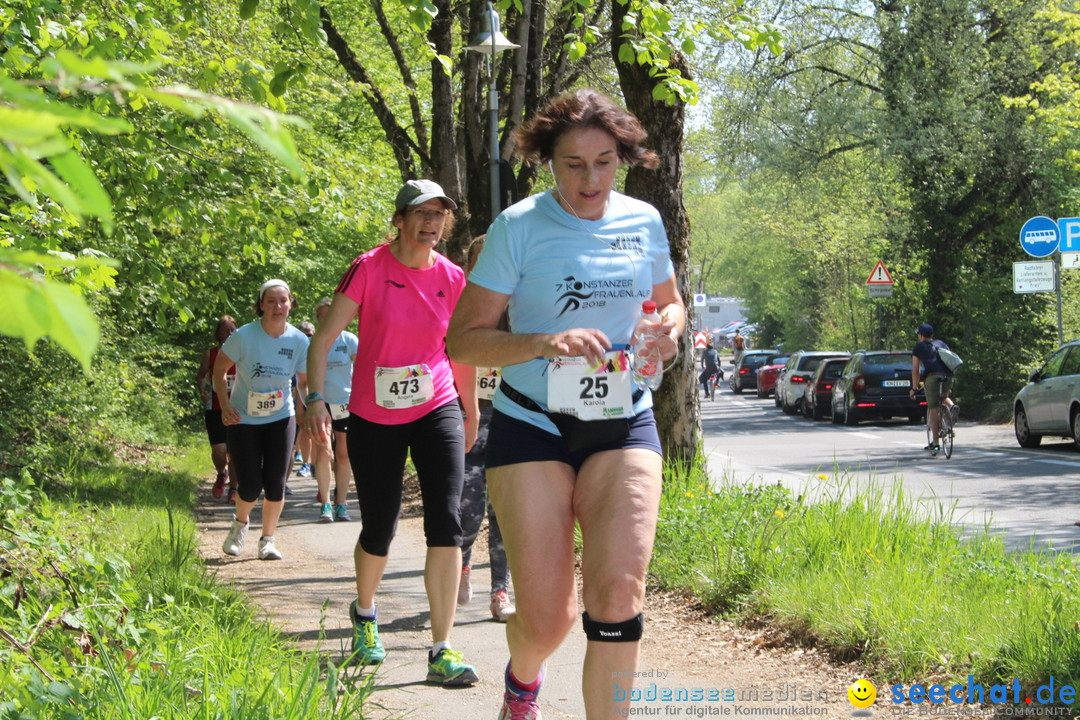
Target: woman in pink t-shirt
{"x":404,"y":401}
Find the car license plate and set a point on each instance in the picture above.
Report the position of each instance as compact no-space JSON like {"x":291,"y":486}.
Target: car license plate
{"x":896,"y":383}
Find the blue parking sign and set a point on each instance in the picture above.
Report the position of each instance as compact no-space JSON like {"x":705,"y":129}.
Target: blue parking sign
{"x":1069,"y":230}
{"x":1039,"y":236}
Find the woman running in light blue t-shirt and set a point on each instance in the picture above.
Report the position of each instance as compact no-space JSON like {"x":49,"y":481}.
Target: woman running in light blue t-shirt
{"x":260,"y":412}
{"x":573,"y":267}
{"x":337,"y":389}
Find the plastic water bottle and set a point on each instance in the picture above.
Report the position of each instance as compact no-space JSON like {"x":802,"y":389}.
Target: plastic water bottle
{"x":648,"y":366}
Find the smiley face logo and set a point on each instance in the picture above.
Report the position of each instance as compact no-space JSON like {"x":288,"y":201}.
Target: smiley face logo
{"x":862,"y":693}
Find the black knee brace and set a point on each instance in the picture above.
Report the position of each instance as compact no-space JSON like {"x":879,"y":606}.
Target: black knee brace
{"x":625,"y":631}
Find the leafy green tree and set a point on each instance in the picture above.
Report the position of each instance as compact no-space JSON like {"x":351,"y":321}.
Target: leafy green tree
{"x":942,"y":112}
{"x":57,"y":92}
{"x":974,"y":166}
{"x":157,"y":191}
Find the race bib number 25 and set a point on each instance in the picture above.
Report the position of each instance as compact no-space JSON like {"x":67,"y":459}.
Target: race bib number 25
{"x":591,"y":391}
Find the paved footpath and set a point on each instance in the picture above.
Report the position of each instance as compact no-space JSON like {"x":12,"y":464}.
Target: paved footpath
{"x":307,"y":595}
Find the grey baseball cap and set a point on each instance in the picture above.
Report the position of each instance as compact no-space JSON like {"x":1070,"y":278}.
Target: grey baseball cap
{"x":417,"y":192}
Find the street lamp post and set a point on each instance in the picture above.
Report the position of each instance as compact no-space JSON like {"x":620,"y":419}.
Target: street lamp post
{"x":489,"y":42}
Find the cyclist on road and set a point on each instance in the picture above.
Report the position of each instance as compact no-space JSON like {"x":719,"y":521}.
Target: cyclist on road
{"x":939,"y":379}
{"x":710,"y":367}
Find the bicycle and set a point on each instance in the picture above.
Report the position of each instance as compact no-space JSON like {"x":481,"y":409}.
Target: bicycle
{"x":946,"y":433}
{"x":712,"y":382}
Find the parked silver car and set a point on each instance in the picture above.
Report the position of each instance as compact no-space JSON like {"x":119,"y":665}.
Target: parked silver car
{"x":791,"y":387}
{"x":1050,"y":403}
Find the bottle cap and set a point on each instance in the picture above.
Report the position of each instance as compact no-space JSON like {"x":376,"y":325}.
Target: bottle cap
{"x":648,"y":307}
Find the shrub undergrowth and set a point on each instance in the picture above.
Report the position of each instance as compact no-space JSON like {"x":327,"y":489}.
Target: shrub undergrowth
{"x":871,"y":573}
{"x":106,"y":611}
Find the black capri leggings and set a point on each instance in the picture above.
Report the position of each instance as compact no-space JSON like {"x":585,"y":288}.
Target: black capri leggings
{"x":261,"y":454}
{"x":377,"y":454}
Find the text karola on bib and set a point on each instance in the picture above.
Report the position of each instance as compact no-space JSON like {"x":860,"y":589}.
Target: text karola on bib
{"x":591,"y":391}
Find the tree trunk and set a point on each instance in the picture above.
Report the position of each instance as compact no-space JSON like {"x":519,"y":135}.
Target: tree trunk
{"x":676,"y":406}
{"x":399,"y":140}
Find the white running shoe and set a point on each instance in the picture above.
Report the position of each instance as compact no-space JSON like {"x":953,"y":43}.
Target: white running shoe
{"x":501,"y":607}
{"x":234,"y":541}
{"x":464,"y":590}
{"x":267,"y":551}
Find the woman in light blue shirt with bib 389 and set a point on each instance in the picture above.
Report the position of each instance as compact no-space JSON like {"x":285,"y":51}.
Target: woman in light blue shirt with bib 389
{"x":260,"y":412}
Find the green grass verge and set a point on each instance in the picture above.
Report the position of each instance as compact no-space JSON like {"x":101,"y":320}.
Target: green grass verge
{"x":106,"y":610}
{"x":869,"y":573}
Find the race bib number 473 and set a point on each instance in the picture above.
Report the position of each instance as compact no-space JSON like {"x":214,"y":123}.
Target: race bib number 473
{"x":403,"y":387}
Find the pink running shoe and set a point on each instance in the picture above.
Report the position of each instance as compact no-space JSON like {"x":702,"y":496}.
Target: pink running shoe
{"x":519,"y":704}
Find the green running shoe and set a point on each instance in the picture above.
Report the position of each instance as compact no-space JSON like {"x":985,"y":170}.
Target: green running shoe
{"x":367,"y":648}
{"x":449,"y":669}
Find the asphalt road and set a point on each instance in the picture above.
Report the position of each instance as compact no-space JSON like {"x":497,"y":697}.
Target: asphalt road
{"x":1026,"y":494}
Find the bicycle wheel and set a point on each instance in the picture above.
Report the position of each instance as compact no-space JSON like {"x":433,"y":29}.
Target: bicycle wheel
{"x":946,"y":439}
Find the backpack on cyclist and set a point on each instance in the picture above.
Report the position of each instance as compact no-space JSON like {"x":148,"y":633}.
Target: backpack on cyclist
{"x":951,"y":359}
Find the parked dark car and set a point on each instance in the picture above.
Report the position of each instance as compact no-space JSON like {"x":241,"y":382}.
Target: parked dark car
{"x":1050,"y":403}
{"x":800,"y":367}
{"x":816,"y":401}
{"x":875,"y":384}
{"x":767,"y":375}
{"x":744,"y":376}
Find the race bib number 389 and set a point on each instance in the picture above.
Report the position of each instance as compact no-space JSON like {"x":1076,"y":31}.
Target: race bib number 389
{"x":597,"y":391}
{"x":403,"y":387}
{"x":264,"y":404}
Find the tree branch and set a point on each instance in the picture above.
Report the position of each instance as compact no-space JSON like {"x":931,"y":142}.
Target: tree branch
{"x":401,"y":143}
{"x":846,"y":148}
{"x":407,"y":78}
{"x":25,"y":651}
{"x":831,"y":71}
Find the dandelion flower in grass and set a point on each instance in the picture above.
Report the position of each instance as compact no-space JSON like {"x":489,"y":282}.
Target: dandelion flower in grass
{"x":689,"y":494}
{"x":822,"y":476}
{"x":779,"y":513}
{"x":871,"y":555}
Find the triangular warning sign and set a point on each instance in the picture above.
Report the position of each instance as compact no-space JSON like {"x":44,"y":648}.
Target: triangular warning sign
{"x":879,"y":275}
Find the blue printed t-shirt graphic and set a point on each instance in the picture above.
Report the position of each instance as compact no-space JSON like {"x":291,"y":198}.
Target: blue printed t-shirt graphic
{"x":337,"y":385}
{"x":1039,"y":236}
{"x":562,"y":272}
{"x":265,"y":364}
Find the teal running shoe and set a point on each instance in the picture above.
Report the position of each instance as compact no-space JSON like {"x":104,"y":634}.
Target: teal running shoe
{"x":449,"y":669}
{"x":367,"y":648}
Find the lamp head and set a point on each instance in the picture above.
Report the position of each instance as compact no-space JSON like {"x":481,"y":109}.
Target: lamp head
{"x":490,"y":40}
